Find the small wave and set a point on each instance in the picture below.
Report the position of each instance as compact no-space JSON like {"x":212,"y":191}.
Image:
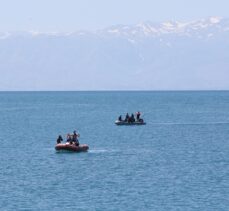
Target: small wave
{"x":97,"y":150}
{"x":103,"y":150}
{"x":19,"y":108}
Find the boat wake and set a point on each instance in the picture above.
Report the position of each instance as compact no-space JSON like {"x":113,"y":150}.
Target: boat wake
{"x":98,"y":151}
{"x":192,"y":123}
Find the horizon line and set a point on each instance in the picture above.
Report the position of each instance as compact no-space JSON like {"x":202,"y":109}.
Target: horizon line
{"x":133,"y":90}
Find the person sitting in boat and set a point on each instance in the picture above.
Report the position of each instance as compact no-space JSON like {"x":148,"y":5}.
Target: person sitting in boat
{"x":132,"y":119}
{"x":120,"y":118}
{"x":69,"y":138}
{"x":59,"y":139}
{"x":138,"y":114}
{"x":127,"y":118}
{"x":75,"y":138}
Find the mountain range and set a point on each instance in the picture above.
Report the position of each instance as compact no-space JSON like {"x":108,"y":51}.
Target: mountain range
{"x":147,"y":56}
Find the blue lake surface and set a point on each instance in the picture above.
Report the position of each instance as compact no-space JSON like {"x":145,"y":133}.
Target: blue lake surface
{"x":178,"y":161}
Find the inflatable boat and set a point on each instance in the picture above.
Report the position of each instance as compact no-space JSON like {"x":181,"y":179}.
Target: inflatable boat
{"x":72,"y":147}
{"x":117,"y":122}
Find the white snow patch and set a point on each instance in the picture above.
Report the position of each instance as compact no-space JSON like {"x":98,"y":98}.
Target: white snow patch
{"x":168,"y":27}
{"x":182,"y":25}
{"x":146,"y":30}
{"x":82,"y":33}
{"x":200,"y":25}
{"x":134,"y":32}
{"x":113,"y":31}
{"x":154,"y":30}
{"x":215,"y":20}
{"x":37,"y":33}
{"x":168,"y":24}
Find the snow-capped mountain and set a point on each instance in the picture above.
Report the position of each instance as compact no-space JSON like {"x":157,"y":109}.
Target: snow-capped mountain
{"x":145,"y":29}
{"x":212,"y":24}
{"x":170,"y":55}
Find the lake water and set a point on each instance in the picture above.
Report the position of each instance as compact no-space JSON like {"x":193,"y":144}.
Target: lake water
{"x":178,"y":161}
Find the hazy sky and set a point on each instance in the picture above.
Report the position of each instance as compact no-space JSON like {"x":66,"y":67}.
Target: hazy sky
{"x":71,"y":15}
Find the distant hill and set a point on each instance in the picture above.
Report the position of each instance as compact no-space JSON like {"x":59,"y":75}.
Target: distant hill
{"x":146,"y":56}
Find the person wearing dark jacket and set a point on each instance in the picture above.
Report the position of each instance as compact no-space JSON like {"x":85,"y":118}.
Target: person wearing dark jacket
{"x":132,"y":119}
{"x":59,"y":139}
{"x":75,"y":138}
{"x":69,"y":138}
{"x":127,"y":117}
{"x":138,"y":115}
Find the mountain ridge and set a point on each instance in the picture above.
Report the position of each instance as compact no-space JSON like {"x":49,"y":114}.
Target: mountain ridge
{"x":144,"y":28}
{"x":192,"y":56}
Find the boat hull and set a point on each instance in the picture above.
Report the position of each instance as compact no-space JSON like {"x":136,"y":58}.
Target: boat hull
{"x":129,"y":123}
{"x":72,"y":147}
